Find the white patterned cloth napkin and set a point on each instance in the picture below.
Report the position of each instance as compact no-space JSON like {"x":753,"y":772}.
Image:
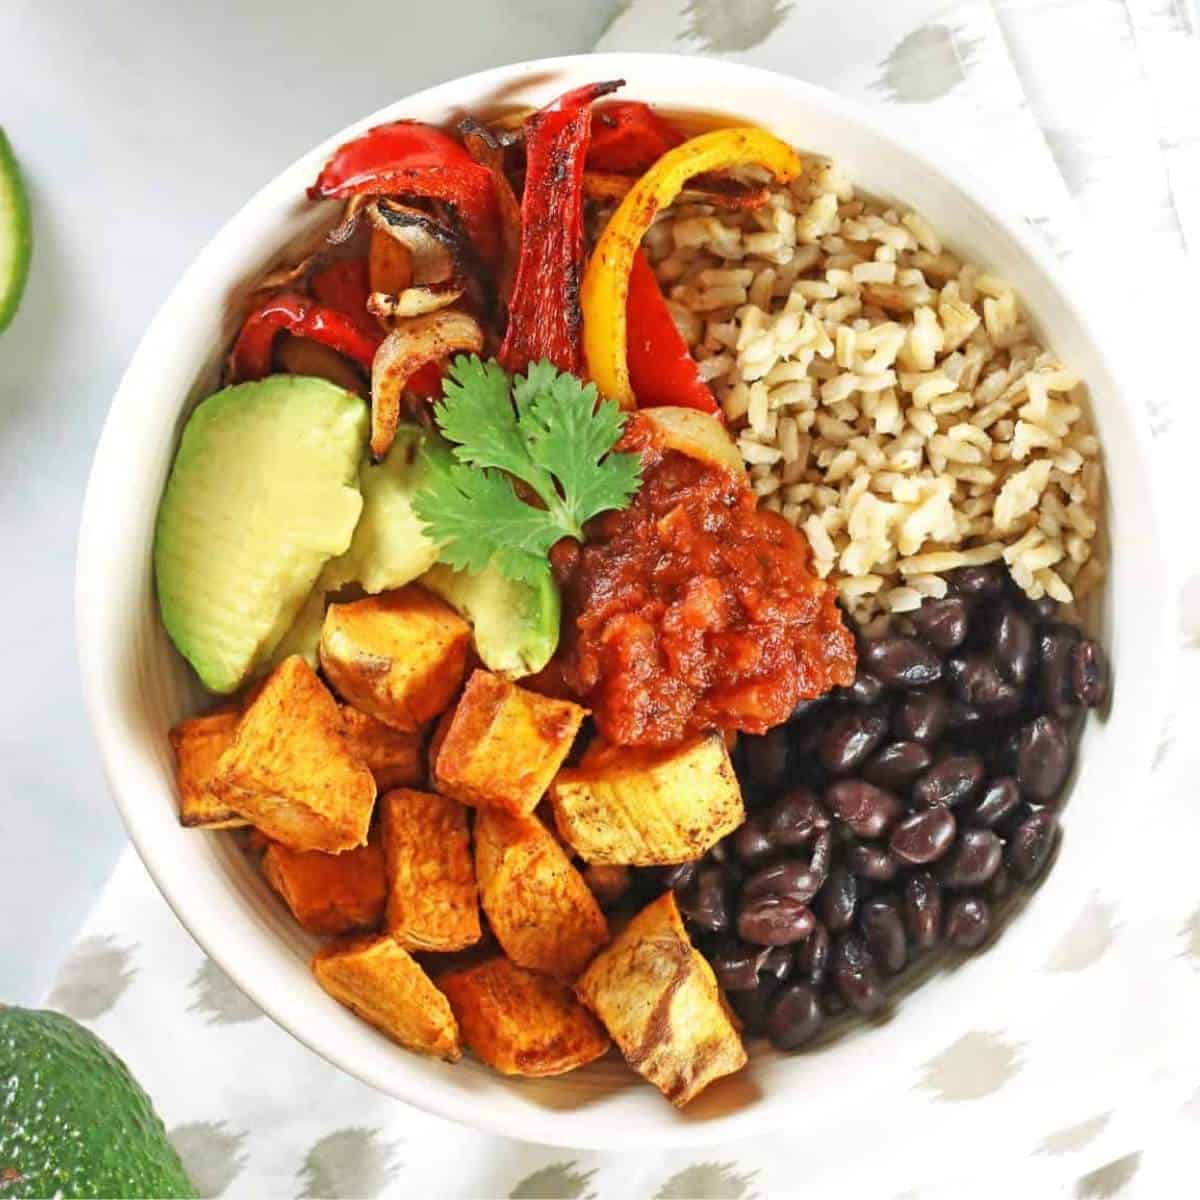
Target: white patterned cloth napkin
{"x":1085,"y":116}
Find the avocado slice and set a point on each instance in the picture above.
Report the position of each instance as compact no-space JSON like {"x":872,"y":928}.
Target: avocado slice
{"x":263,"y":492}
{"x":389,"y":548}
{"x":516,"y":624}
{"x":76,"y":1123}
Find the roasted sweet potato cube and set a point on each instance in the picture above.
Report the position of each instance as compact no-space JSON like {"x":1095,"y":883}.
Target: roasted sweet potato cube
{"x":329,"y":893}
{"x":432,"y":901}
{"x":646,"y":806}
{"x":522,"y":1022}
{"x":289,"y":770}
{"x":538,"y":906}
{"x":399,"y":656}
{"x":504,"y":744}
{"x":198,"y":744}
{"x":394,"y":758}
{"x":659,"y":999}
{"x":384,"y":984}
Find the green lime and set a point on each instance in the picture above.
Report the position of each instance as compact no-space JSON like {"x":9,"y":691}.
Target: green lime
{"x":16,"y":234}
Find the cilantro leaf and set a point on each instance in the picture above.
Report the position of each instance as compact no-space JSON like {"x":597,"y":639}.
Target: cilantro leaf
{"x":544,"y":429}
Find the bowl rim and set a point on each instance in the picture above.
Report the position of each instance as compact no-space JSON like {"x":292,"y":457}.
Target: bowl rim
{"x":545,"y":1126}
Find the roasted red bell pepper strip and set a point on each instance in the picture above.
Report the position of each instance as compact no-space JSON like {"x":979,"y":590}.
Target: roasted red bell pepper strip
{"x":411,"y":159}
{"x":345,"y":286}
{"x":544,"y":319}
{"x":426,"y":384}
{"x":627,"y":136}
{"x":304,"y":317}
{"x":661,"y":368}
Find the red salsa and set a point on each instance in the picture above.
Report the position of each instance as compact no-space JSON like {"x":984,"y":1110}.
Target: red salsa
{"x":693,"y":609}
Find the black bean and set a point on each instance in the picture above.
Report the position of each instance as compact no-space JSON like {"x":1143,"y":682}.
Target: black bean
{"x":924,"y":837}
{"x":920,"y":716}
{"x":679,"y":876}
{"x":855,"y":974}
{"x":774,"y":921}
{"x":1043,"y":759}
{"x":1000,"y":884}
{"x":766,"y":759}
{"x":838,"y":899}
{"x":942,"y":623}
{"x":851,"y":738}
{"x":735,"y":964}
{"x":968,"y":922}
{"x":1056,"y":646}
{"x":832,"y":1004}
{"x":974,"y":859}
{"x":1000,"y":798}
{"x":1013,"y":644}
{"x":865,"y":689}
{"x":978,"y":683}
{"x":805,"y":708}
{"x":923,"y":909}
{"x":778,"y":962}
{"x":1029,"y":847}
{"x":978,"y":583}
{"x":795,"y":818}
{"x":752,"y":843}
{"x":753,"y":1007}
{"x":869,"y":811}
{"x":795,"y":1016}
{"x":812,"y":956}
{"x":871,"y":861}
{"x":963,"y":718}
{"x":902,"y":662}
{"x":952,"y":781}
{"x":897,"y":765}
{"x":1089,"y":674}
{"x":705,"y":901}
{"x":883,"y":929}
{"x":787,"y":878}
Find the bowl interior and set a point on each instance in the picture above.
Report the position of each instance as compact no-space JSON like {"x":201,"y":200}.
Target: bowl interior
{"x":137,"y":687}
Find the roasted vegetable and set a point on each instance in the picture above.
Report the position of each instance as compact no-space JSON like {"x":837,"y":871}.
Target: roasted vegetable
{"x":432,"y":902}
{"x":383,"y":984}
{"x":605,"y":290}
{"x":543,"y":314}
{"x":289,"y":771}
{"x":329,"y":893}
{"x":646,"y":806}
{"x":538,"y":906}
{"x":198,"y":744}
{"x":394,"y":758}
{"x":628,"y":136}
{"x":520,"y":1022}
{"x":504,"y":744}
{"x":399,"y":656}
{"x":659,"y":999}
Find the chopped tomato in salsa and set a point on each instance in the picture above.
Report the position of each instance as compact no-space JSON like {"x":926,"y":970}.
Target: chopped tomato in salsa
{"x":693,"y":609}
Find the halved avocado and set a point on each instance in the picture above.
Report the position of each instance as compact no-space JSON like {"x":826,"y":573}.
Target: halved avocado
{"x":263,"y":492}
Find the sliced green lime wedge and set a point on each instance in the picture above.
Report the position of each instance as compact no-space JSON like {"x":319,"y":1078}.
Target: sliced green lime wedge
{"x":16,"y":234}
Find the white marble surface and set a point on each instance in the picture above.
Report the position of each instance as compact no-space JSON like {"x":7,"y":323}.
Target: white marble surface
{"x":141,"y":127}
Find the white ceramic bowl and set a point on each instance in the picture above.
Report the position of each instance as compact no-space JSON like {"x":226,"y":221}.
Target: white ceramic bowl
{"x":137,"y":687}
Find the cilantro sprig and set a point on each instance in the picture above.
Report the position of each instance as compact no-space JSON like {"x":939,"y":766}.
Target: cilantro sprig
{"x":543,"y":431}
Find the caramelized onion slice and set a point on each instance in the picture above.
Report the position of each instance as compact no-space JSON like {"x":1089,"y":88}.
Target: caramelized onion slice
{"x":402,"y":353}
{"x":486,"y":149}
{"x":696,"y":434}
{"x":413,"y":301}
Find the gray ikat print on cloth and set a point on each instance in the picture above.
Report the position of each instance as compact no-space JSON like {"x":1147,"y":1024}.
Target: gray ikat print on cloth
{"x":211,"y":1153}
{"x":1085,"y":943}
{"x":976,"y":1065}
{"x":1074,"y":1137}
{"x":1110,"y":1181}
{"x":219,"y":999}
{"x":556,"y":1181}
{"x":927,"y":64}
{"x":727,"y":26}
{"x":709,"y":1181}
{"x":351,"y":1163}
{"x":93,"y":978}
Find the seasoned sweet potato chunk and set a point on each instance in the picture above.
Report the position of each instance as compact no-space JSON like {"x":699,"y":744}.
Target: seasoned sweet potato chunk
{"x":394,"y":758}
{"x":289,"y":770}
{"x":503,"y":744}
{"x":642,"y":806}
{"x":432,"y":901}
{"x":537,"y":904}
{"x":659,"y":1000}
{"x":521,"y":1022}
{"x":384,"y":984}
{"x":399,"y":656}
{"x":198,"y":744}
{"x":329,"y":893}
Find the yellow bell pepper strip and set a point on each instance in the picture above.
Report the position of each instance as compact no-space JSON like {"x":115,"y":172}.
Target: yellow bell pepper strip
{"x":605,"y":289}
